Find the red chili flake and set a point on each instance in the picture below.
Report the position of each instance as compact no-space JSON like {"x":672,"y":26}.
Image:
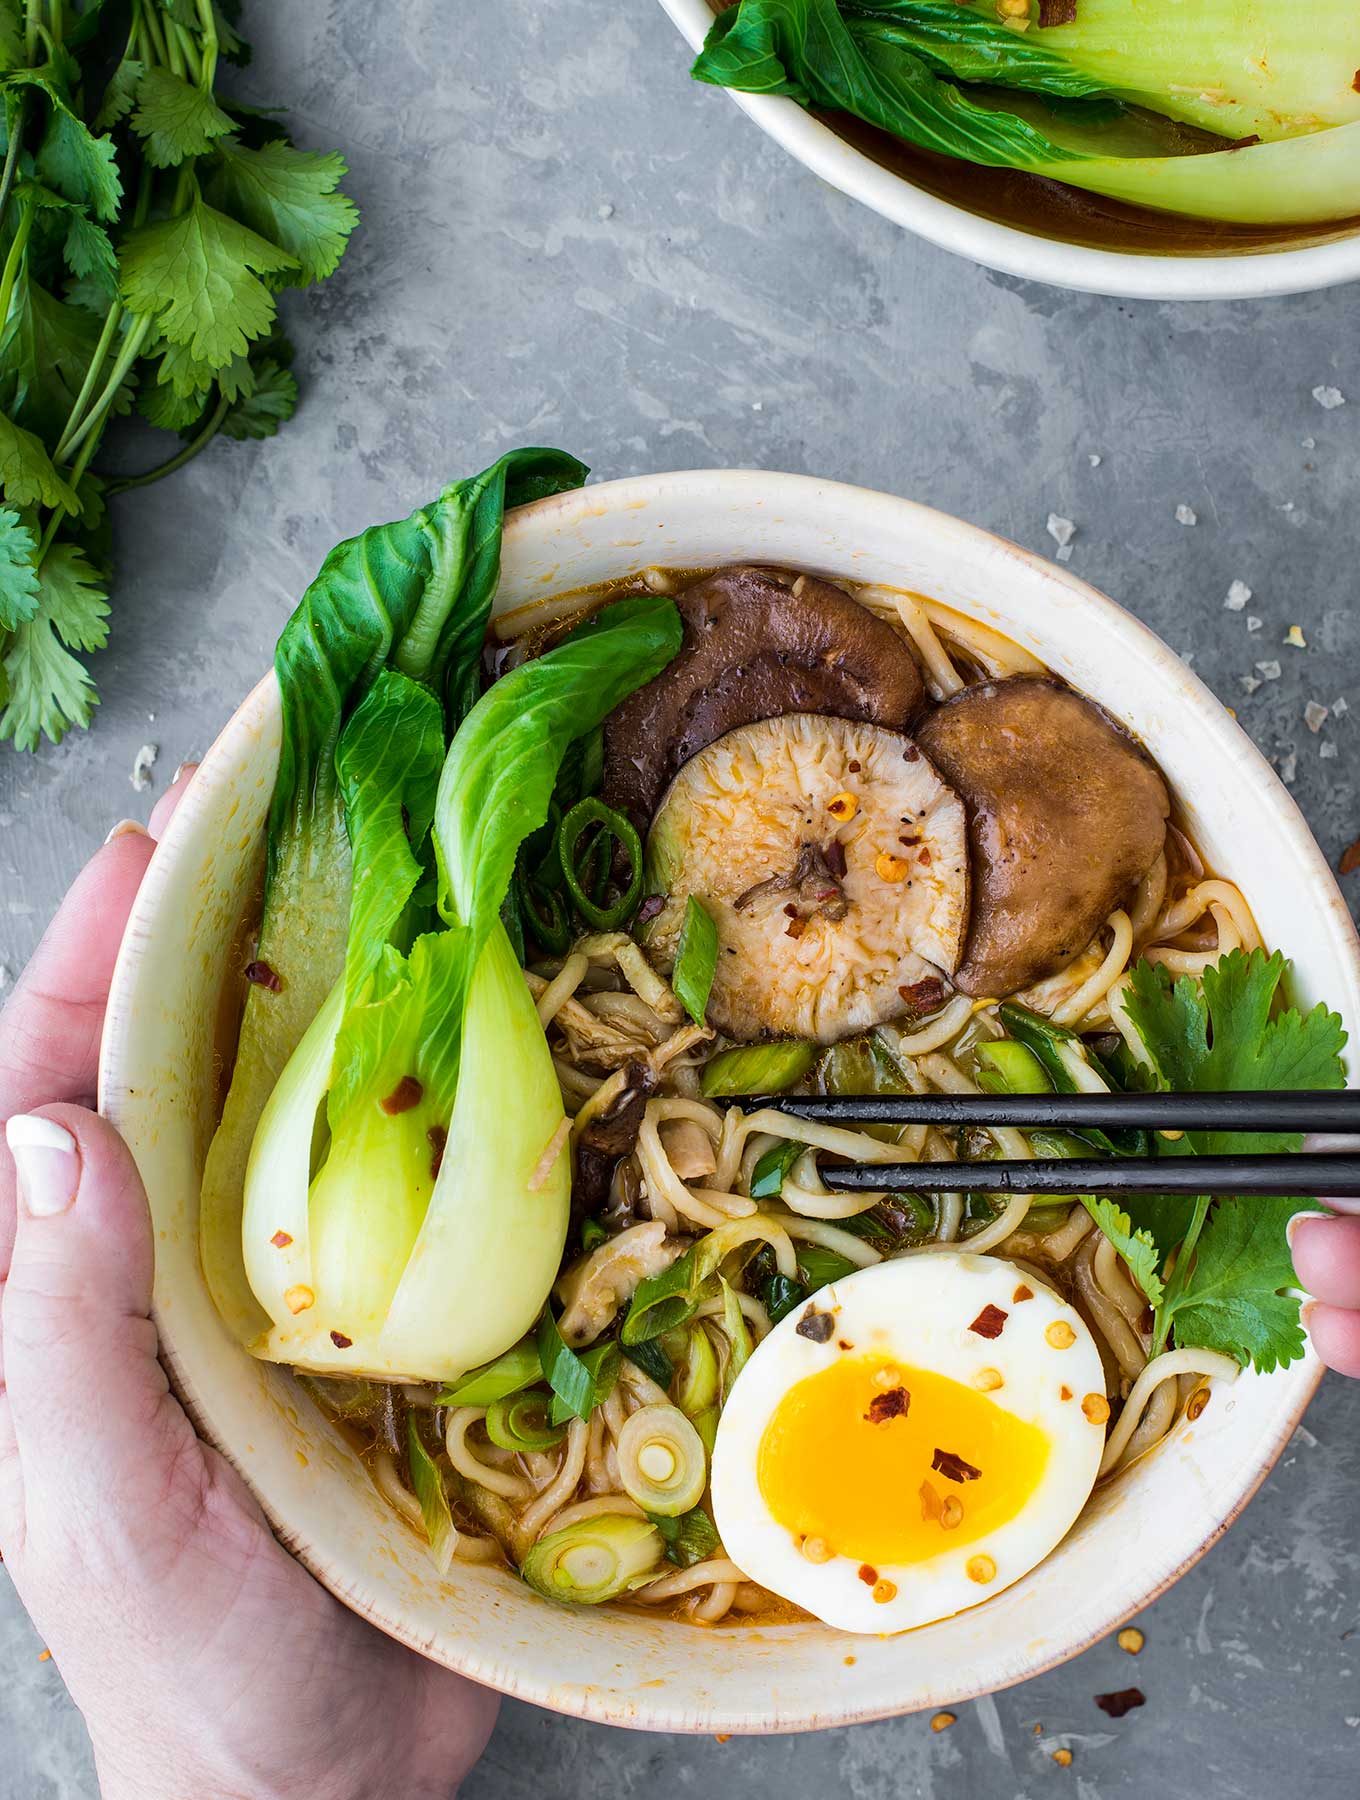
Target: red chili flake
{"x":854,"y":766}
{"x":910,"y":838}
{"x":1355,"y":81}
{"x":437,"y":1137}
{"x":281,"y":1240}
{"x":834,"y":857}
{"x":1022,"y":1293}
{"x":259,"y":974}
{"x":795,"y":928}
{"x":892,"y":1405}
{"x":868,"y":1574}
{"x":815,"y":1325}
{"x":1350,"y":856}
{"x":911,"y":754}
{"x":1064,"y":1393}
{"x":1124,"y":1701}
{"x":924,"y":857}
{"x":989,"y":1322}
{"x":407,"y":1093}
{"x":340,"y":1341}
{"x":1057,"y":12}
{"x":953,"y":1467}
{"x":1245,"y":143}
{"x":651,"y":906}
{"x":790,"y":911}
{"x":923,"y":997}
{"x":844,"y":1344}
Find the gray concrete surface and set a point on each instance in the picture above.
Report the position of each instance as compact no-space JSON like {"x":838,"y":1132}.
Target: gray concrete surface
{"x":567,"y":241}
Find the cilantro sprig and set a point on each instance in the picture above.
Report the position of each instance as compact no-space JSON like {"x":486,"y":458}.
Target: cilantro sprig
{"x":1221,"y":1274}
{"x":148,"y":225}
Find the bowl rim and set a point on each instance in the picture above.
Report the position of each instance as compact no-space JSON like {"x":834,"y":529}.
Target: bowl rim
{"x":559,"y":514}
{"x":1247,"y":275}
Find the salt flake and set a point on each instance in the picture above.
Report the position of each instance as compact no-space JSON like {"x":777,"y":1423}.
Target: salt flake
{"x":1271,"y":670}
{"x":1327,"y":750}
{"x":1093,"y":459}
{"x":1314,"y":716}
{"x":1061,"y":530}
{"x":1238,"y":595}
{"x":1249,"y":683}
{"x":1308,"y":443}
{"x":1289,"y":768}
{"x":1186,"y":515}
{"x":1253,"y":623}
{"x":1329,"y":398}
{"x":141,"y":766}
{"x":1340,"y":705}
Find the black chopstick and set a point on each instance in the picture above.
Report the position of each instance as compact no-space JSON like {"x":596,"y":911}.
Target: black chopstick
{"x":1306,"y":1110}
{"x":1307,"y":1175}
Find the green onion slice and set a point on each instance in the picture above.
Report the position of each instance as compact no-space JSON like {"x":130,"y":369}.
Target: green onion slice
{"x":757,"y":1068}
{"x":577,"y":871}
{"x":514,"y":1369}
{"x":696,"y":960}
{"x":662,"y":1461}
{"x":521,"y":1422}
{"x":594,"y":1560}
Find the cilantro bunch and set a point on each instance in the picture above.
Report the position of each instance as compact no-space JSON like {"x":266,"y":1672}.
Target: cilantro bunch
{"x":147,"y":226}
{"x":1218,"y":1270}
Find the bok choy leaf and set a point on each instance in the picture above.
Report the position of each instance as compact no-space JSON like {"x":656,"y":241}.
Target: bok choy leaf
{"x":1053,"y":102}
{"x":414,"y":596}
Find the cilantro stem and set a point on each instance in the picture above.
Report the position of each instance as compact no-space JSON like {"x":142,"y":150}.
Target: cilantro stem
{"x":207,"y":25}
{"x":15,"y":258}
{"x":1179,"y":1278}
{"x":155,"y":38}
{"x":187,"y":454}
{"x":92,"y":374}
{"x":98,"y":413}
{"x":12,"y":154}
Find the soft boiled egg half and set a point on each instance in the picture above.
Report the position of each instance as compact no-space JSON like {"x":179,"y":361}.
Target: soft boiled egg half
{"x":910,"y":1441}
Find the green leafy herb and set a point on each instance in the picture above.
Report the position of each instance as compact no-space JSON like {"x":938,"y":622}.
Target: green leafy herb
{"x":696,"y":959}
{"x":146,"y":236}
{"x":1223,"y":1033}
{"x":652,"y":1360}
{"x":767,"y":1178}
{"x":689,"y":1539}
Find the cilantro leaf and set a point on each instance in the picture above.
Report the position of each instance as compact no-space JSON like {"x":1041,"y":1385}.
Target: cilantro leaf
{"x":1137,"y":1247}
{"x":290,"y":197}
{"x":48,"y":689}
{"x":26,"y":472}
{"x":18,"y":580}
{"x":45,"y":349}
{"x":188,"y":376}
{"x":71,"y":158}
{"x":1217,"y":1035}
{"x":269,"y":404}
{"x":1222,"y":1034}
{"x":177,"y":119}
{"x":161,"y":404}
{"x":198,"y":276}
{"x":1238,"y":1298}
{"x":90,"y":254}
{"x":120,"y":96}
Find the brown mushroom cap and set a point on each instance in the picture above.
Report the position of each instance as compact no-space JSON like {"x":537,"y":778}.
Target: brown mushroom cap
{"x":758,"y":643}
{"x":1066,"y":814}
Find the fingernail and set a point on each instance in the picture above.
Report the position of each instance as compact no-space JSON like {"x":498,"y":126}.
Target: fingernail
{"x":1297,"y":1220}
{"x":46,"y":1161}
{"x":127,"y":828}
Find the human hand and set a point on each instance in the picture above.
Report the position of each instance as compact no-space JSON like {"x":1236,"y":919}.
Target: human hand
{"x":207,"y":1663}
{"x":1326,"y":1252}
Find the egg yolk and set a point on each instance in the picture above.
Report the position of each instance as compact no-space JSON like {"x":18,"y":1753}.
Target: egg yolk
{"x":884,"y":1463}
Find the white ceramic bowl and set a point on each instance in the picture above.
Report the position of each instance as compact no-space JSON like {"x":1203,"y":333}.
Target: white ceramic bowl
{"x":160,"y":1072}
{"x":1230,"y":265}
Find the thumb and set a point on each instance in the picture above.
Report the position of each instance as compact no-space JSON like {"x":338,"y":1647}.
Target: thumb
{"x":84,"y":1386}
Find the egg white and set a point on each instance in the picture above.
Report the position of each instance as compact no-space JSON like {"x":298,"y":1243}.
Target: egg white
{"x":917,"y":1311}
